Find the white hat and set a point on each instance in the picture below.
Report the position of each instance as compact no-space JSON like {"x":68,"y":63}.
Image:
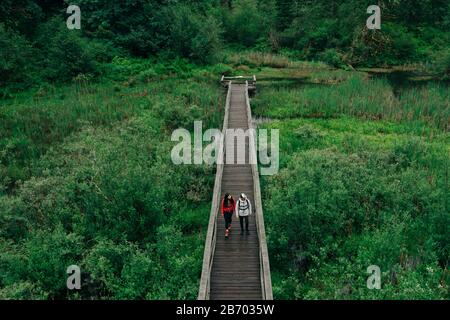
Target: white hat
{"x":243,"y":196}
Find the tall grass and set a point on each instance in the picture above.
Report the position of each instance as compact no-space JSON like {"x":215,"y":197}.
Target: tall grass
{"x":35,"y":122}
{"x":357,"y":96}
{"x":354,"y":188}
{"x":94,"y":160}
{"x":430,"y":103}
{"x":271,"y":60}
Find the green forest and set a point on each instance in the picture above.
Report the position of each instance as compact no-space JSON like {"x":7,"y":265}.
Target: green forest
{"x":86,"y":118}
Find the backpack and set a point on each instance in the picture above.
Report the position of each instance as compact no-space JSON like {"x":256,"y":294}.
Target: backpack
{"x":243,"y":205}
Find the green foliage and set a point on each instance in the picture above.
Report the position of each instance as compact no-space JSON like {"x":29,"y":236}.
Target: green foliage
{"x":135,"y":227}
{"x":48,"y":256}
{"x":331,"y":57}
{"x":442,"y":63}
{"x":65,"y":54}
{"x":22,"y":15}
{"x":244,"y":23}
{"x":38,"y":46}
{"x":407,"y":32}
{"x":356,"y":95}
{"x":41,"y":272}
{"x":85,"y":170}
{"x":131,"y":25}
{"x":15,"y":56}
{"x":22,"y":291}
{"x":251,"y":23}
{"x":354,"y":190}
{"x":193,"y":36}
{"x":323,"y":202}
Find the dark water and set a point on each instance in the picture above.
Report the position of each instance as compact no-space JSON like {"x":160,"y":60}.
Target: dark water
{"x":288,"y":83}
{"x":403,"y":80}
{"x":398,"y":80}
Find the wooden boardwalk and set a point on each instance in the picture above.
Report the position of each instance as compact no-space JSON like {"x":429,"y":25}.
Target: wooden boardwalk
{"x":236,"y":268}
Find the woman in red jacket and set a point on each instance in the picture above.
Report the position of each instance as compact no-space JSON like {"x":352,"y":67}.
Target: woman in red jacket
{"x":228,"y":205}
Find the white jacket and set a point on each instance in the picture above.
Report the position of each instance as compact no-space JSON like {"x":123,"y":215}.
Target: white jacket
{"x":243,"y":212}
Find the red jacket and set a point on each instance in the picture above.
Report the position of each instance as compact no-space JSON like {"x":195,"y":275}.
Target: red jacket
{"x":230,"y":208}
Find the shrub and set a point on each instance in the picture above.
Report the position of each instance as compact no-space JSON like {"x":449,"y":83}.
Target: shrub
{"x":23,"y":290}
{"x":192,"y":35}
{"x":16,"y":60}
{"x":331,"y":57}
{"x":147,"y":75}
{"x":442,"y":63}
{"x":245,"y":24}
{"x":38,"y":269}
{"x":65,"y":53}
{"x":325,"y":207}
{"x":222,"y":69}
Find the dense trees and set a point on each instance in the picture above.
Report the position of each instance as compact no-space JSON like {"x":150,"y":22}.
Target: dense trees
{"x":412,"y":31}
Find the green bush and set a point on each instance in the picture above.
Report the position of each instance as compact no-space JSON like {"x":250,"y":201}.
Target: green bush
{"x":38,"y":270}
{"x":22,"y":291}
{"x":129,"y":25}
{"x":192,"y":35}
{"x":442,"y":63}
{"x":244,"y":25}
{"x":110,"y":190}
{"x":147,"y":75}
{"x":17,"y":61}
{"x":65,"y":53}
{"x":222,"y":69}
{"x":320,"y":205}
{"x":331,"y":57}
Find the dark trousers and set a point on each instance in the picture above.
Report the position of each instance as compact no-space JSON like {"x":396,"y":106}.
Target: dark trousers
{"x":242,"y":220}
{"x":228,"y":218}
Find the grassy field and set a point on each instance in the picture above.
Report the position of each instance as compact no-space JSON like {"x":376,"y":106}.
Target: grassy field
{"x":87,"y":179}
{"x":363,"y":181}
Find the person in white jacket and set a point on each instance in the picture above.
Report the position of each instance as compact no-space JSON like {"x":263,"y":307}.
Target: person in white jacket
{"x":243,"y":211}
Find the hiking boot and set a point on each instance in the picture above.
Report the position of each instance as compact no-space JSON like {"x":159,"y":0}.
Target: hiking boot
{"x":226,"y":234}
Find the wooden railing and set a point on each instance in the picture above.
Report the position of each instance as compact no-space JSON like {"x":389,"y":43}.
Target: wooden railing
{"x":266,"y":280}
{"x":250,"y":80}
{"x":210,"y":243}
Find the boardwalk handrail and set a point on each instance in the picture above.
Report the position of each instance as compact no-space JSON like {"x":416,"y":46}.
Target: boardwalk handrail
{"x":239,"y":79}
{"x":225,"y":78}
{"x":266,"y":281}
{"x":210,"y":243}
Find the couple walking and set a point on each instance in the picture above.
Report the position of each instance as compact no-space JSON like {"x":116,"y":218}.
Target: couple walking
{"x":243,"y":209}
